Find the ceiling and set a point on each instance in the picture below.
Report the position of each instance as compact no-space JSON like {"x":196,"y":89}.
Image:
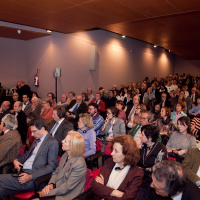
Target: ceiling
{"x":171,"y":24}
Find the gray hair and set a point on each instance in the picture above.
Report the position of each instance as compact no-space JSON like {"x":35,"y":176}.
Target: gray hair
{"x":10,"y":122}
{"x":150,"y":115}
{"x":35,"y":98}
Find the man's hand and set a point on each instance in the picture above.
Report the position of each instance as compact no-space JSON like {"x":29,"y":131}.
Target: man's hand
{"x":24,"y":177}
{"x":116,"y":193}
{"x":47,"y":189}
{"x":181,"y":152}
{"x":17,"y":164}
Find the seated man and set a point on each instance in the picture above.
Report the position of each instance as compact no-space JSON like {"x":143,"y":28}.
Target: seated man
{"x":191,"y":165}
{"x":164,"y":101}
{"x":195,"y":111}
{"x":169,"y":181}
{"x":90,"y":95}
{"x":15,"y":97}
{"x":63,"y":101}
{"x":5,"y":109}
{"x":59,"y":126}
{"x":41,"y":159}
{"x":26,"y":104}
{"x":21,"y":119}
{"x":98,"y":120}
{"x":99,"y":102}
{"x":110,"y":101}
{"x":10,"y":141}
{"x":76,"y":107}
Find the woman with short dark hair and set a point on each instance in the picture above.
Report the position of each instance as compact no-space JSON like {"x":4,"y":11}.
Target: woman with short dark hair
{"x":151,"y":152}
{"x":120,"y":178}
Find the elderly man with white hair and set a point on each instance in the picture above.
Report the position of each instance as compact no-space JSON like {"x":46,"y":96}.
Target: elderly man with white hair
{"x":10,"y":142}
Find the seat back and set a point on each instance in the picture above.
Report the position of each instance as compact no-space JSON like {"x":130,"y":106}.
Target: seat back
{"x":89,"y":178}
{"x":58,"y":160}
{"x":107,"y":150}
{"x":170,"y":158}
{"x":98,"y":145}
{"x":96,"y":172}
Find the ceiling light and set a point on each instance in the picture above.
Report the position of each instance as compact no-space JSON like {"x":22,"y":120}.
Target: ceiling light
{"x":48,"y":31}
{"x":154,"y":46}
{"x":19,"y":31}
{"x":123,"y":36}
{"x":169,"y":50}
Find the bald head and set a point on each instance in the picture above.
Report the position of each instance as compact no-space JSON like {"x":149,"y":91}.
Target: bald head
{"x":5,"y":105}
{"x":17,"y":106}
{"x":79,"y":98}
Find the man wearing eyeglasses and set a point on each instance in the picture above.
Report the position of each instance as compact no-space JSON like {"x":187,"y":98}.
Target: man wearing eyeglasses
{"x":41,"y":159}
{"x":76,"y":107}
{"x":169,"y":181}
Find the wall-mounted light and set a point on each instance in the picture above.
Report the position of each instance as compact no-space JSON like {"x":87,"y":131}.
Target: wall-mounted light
{"x":48,"y":31}
{"x":123,"y":36}
{"x":154,"y":46}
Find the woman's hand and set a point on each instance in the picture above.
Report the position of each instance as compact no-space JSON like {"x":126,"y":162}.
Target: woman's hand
{"x":46,"y":190}
{"x":100,"y":179}
{"x":181,"y":152}
{"x":116,"y":193}
{"x":109,"y":138}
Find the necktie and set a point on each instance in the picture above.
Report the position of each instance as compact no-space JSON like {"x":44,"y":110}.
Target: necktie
{"x":36,"y":143}
{"x":54,"y":128}
{"x":96,"y":102}
{"x":74,"y":110}
{"x":133,"y":112}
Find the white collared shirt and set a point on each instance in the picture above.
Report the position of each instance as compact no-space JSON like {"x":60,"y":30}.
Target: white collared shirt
{"x":6,"y":131}
{"x":24,"y":106}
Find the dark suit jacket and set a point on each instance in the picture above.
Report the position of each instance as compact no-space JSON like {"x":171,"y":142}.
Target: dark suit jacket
{"x":196,"y":97}
{"x":27,"y":109}
{"x":22,"y":126}
{"x":128,"y":110}
{"x":69,"y":178}
{"x":25,"y":89}
{"x":3,"y":114}
{"x":110,"y":102}
{"x":129,"y":103}
{"x":167,"y":103}
{"x":10,"y":146}
{"x":35,"y":114}
{"x":101,"y":106}
{"x":192,"y":192}
{"x":46,"y":159}
{"x":81,"y":109}
{"x":130,"y":185}
{"x":61,"y":131}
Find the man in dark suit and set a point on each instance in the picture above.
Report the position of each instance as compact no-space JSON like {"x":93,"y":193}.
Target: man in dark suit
{"x":76,"y":107}
{"x":169,"y":181}
{"x":59,"y":126}
{"x":26,"y":104}
{"x":10,"y":142}
{"x":110,"y":101}
{"x":24,"y":89}
{"x":5,"y":109}
{"x":164,"y":102}
{"x":194,"y":96}
{"x":15,"y":97}
{"x":41,"y":159}
{"x":21,"y":118}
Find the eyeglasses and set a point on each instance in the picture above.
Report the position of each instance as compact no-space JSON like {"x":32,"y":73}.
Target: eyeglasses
{"x":143,"y":118}
{"x":138,"y":108}
{"x":33,"y":131}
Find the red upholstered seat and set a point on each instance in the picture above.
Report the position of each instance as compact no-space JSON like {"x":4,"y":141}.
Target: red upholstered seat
{"x":24,"y":195}
{"x":96,"y":172}
{"x":89,"y":178}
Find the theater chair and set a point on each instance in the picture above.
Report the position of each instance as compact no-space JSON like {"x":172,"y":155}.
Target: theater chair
{"x":93,"y":159}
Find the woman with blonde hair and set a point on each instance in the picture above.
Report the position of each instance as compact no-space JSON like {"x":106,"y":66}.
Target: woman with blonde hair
{"x":68,"y":180}
{"x":86,"y":129}
{"x":46,"y":111}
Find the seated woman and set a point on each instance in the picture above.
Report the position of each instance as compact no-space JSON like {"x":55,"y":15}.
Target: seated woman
{"x":72,"y":96}
{"x":119,"y":104}
{"x":86,"y":129}
{"x":181,"y":140}
{"x":51,"y":97}
{"x":151,"y":152}
{"x":119,"y":178}
{"x":68,"y":180}
{"x":165,"y":125}
{"x":46,"y":111}
{"x":137,"y":117}
{"x":113,"y":126}
{"x":178,"y":113}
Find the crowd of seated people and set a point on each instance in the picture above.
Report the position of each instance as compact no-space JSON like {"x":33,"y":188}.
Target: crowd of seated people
{"x":160,"y":116}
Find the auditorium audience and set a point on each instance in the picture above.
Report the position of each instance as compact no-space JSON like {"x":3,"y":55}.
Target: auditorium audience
{"x":120,"y":178}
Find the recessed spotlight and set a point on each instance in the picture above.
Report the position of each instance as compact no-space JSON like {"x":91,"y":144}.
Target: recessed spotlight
{"x":48,"y":31}
{"x":19,"y":31}
{"x":169,"y":50}
{"x":123,"y":36}
{"x":154,"y":46}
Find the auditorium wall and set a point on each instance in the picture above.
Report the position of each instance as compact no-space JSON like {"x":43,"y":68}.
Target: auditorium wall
{"x":118,"y":61}
{"x":13,"y":61}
